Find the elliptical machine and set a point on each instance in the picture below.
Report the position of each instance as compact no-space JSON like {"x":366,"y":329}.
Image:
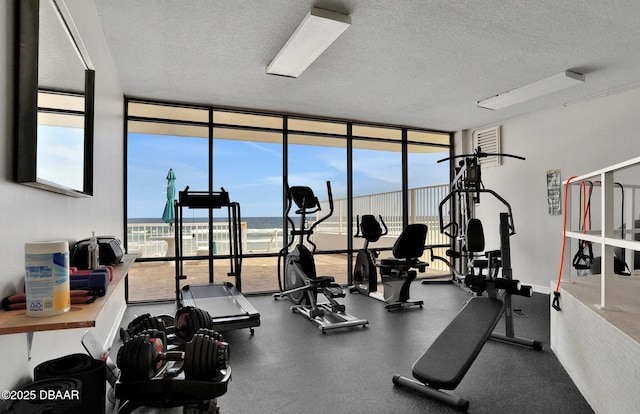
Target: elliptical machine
{"x":396,"y":273}
{"x":299,"y":281}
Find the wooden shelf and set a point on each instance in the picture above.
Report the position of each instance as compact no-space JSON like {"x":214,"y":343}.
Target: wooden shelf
{"x":79,"y":316}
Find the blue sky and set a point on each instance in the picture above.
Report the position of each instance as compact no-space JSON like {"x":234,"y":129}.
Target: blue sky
{"x":60,"y":158}
{"x":252,"y":172}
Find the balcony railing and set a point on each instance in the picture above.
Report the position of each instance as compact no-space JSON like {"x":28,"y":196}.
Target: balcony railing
{"x":152,"y":239}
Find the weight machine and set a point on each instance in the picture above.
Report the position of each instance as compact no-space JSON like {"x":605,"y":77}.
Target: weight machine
{"x":466,"y":188}
{"x":444,"y":364}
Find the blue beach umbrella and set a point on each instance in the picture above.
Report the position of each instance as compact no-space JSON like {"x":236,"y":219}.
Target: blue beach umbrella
{"x":168,"y":216}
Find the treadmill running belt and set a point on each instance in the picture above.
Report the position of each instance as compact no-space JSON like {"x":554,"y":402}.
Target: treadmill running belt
{"x":229,"y":309}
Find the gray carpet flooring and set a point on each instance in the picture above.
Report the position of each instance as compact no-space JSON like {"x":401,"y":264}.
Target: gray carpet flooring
{"x":289,"y":367}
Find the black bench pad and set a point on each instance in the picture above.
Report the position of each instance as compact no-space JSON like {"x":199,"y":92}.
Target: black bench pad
{"x":448,"y":359}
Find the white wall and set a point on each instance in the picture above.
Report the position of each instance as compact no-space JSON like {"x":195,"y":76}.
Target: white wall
{"x":576,"y":138}
{"x":28,"y":214}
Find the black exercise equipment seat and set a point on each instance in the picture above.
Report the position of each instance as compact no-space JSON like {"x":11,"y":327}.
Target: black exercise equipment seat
{"x":444,"y":364}
{"x":407,"y":250}
{"x":370,"y":228}
{"x":450,"y":356}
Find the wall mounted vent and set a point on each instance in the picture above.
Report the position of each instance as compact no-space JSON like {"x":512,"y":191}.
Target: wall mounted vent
{"x":488,"y":140}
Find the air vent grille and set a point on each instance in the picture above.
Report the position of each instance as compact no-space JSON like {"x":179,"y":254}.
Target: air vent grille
{"x":488,"y":140}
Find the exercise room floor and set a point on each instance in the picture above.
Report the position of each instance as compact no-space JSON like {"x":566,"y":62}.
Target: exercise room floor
{"x":289,"y":366}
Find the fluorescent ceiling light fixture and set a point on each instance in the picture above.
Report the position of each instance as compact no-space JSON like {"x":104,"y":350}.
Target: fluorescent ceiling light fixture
{"x":313,"y":36}
{"x":533,"y":90}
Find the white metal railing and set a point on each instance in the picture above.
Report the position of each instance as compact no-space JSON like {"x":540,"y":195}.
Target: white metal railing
{"x":423,"y":208}
{"x":153,"y":239}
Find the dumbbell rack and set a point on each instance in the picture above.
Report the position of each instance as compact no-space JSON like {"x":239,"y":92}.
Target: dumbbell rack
{"x":169,"y":391}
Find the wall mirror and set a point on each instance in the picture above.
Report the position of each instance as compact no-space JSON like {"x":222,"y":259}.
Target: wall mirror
{"x":55,"y":78}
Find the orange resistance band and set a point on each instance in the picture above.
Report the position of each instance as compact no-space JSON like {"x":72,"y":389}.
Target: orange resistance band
{"x":556,"y":293}
{"x":586,"y":206}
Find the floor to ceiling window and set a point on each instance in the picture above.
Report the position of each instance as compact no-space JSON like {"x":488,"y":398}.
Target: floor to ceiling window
{"x":428,"y":183}
{"x":381,"y":170}
{"x":316,"y":154}
{"x":179,"y":144}
{"x":247,"y":162}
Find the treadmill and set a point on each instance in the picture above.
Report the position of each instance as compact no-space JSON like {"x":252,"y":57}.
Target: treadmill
{"x":226,"y":304}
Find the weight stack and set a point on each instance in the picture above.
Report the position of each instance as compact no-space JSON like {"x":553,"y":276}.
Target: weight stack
{"x":90,"y":372}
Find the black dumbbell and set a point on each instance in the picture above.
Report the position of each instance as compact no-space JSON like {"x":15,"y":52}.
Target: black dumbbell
{"x":144,"y":356}
{"x":205,"y":357}
{"x":142,"y":323}
{"x":189,"y":320}
{"x":210,"y":332}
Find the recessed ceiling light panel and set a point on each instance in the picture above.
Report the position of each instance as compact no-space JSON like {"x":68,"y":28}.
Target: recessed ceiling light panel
{"x":533,"y":90}
{"x":318,"y":30}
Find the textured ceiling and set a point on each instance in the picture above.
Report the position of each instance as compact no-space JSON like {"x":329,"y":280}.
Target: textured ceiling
{"x":408,"y":62}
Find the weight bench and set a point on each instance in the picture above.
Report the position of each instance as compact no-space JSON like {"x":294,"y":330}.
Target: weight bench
{"x":448,"y":359}
{"x":450,"y":356}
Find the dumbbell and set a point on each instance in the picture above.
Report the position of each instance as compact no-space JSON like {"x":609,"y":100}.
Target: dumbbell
{"x":184,"y":325}
{"x":97,"y":280}
{"x":205,"y":357}
{"x":189,"y":320}
{"x":144,"y":356}
{"x":145,"y":322}
{"x":218,"y":337}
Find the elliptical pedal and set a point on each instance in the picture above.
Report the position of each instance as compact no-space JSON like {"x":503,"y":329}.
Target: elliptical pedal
{"x":336,"y":291}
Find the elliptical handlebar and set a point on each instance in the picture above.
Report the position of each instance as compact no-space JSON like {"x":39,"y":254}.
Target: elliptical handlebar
{"x":386,"y":229}
{"x":330,"y":195}
{"x":307,"y":203}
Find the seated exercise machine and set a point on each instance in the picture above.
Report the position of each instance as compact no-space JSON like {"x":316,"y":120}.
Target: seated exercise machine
{"x":299,"y":282}
{"x":226,"y":304}
{"x":396,"y":273}
{"x":447,"y":360}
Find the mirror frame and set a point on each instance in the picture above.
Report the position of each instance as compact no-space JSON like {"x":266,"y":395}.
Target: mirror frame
{"x":26,"y":124}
